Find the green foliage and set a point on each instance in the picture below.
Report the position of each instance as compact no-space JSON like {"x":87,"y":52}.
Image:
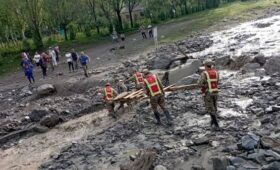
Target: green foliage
{"x":26,"y":45}
{"x":72,"y":28}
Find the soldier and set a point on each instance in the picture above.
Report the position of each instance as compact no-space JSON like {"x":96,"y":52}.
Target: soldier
{"x":121,"y":87}
{"x":138,"y":79}
{"x":109,"y":94}
{"x":154,"y":90}
{"x":209,"y":88}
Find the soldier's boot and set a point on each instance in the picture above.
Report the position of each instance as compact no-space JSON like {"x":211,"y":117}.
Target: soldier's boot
{"x":168,"y":117}
{"x":212,"y":120}
{"x":114,"y":115}
{"x":157,"y":116}
{"x":215,"y":122}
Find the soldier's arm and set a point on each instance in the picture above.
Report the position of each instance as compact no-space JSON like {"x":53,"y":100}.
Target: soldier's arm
{"x":160,"y":84}
{"x":146,"y":89}
{"x":115,"y":93}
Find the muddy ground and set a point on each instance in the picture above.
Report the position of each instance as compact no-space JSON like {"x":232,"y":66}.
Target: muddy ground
{"x":89,"y":139}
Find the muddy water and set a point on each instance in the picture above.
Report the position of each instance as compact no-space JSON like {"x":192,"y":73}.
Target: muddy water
{"x":255,"y":36}
{"x":32,"y":152}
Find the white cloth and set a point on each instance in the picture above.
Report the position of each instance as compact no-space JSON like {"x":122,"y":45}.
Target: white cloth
{"x":53,"y":55}
{"x":37,"y":58}
{"x":68,"y":57}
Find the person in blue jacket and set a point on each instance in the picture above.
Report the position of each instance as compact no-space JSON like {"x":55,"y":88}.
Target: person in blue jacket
{"x":28,"y":70}
{"x":84,"y":59}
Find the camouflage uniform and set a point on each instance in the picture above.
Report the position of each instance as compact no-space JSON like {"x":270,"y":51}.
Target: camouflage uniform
{"x":121,"y":87}
{"x":158,"y":100}
{"x":110,"y":105}
{"x":137,"y":86}
{"x":210,"y":99}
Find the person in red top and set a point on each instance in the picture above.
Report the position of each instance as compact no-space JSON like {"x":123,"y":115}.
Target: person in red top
{"x":154,"y":90}
{"x":109,"y":94}
{"x":209,"y":87}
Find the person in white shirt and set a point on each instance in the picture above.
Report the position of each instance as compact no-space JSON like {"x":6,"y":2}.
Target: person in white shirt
{"x":36,"y":59}
{"x":69,"y":61}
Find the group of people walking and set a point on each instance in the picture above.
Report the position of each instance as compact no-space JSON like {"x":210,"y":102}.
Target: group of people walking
{"x":153,"y":88}
{"x":51,"y":59}
{"x":142,"y":29}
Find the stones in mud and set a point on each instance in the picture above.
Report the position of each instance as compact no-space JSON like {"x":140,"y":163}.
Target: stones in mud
{"x":195,"y":44}
{"x":50,"y":120}
{"x":237,"y":63}
{"x":46,"y":89}
{"x":37,"y":115}
{"x":185,"y":70}
{"x":250,"y":141}
{"x":262,"y":25}
{"x":272,"y":65}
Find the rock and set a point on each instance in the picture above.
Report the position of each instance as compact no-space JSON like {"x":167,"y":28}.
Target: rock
{"x":160,"y":167}
{"x":271,"y":143}
{"x":50,"y":121}
{"x":237,"y":161}
{"x":250,"y":141}
{"x":188,"y":80}
{"x":37,"y":115}
{"x":222,"y":61}
{"x":272,"y":65}
{"x":231,"y":168}
{"x":220,"y":163}
{"x":250,"y":67}
{"x":46,"y":89}
{"x":185,"y":70}
{"x":272,"y":166}
{"x":260,"y":59}
{"x":257,"y":157}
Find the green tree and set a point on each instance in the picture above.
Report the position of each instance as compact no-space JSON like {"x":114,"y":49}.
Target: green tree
{"x":130,"y":5}
{"x":34,"y":13}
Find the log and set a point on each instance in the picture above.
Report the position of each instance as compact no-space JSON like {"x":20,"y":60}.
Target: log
{"x":122,"y":95}
{"x":133,"y":93}
{"x":144,"y":161}
{"x":183,"y":87}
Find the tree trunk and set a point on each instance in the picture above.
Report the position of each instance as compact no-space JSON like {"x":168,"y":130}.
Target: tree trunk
{"x":64,"y":27}
{"x":119,"y":19}
{"x":95,"y":19}
{"x":186,"y":7}
{"x":38,"y":38}
{"x":130,"y":17}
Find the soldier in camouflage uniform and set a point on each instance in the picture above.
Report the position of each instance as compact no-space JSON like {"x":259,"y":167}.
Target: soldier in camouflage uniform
{"x":137,"y":77}
{"x":121,"y":87}
{"x":154,"y":90}
{"x":209,"y":88}
{"x":109,"y":94}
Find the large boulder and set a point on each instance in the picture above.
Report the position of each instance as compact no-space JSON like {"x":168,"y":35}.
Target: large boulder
{"x":50,"y":120}
{"x":250,"y":141}
{"x":37,"y":115}
{"x":271,"y":143}
{"x":192,"y":79}
{"x":251,"y":67}
{"x":220,"y":163}
{"x":272,"y":65}
{"x":260,"y":58}
{"x":46,"y":89}
{"x":191,"y":67}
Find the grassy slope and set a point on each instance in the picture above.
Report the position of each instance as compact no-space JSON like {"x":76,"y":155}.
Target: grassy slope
{"x":199,"y":21}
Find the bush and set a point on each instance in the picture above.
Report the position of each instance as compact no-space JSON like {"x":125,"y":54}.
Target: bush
{"x":72,"y":27}
{"x":26,"y":45}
